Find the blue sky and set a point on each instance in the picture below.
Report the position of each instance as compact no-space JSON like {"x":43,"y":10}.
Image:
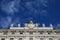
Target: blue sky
{"x":22,"y":11}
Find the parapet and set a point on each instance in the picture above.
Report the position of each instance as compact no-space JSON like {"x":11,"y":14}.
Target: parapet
{"x":31,"y":25}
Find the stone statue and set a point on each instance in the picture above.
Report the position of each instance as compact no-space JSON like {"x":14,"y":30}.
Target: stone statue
{"x":31,"y":25}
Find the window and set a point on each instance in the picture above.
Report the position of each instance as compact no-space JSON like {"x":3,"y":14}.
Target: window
{"x":57,"y":32}
{"x":49,"y":33}
{"x":3,"y":39}
{"x":11,"y":38}
{"x":31,"y":32}
{"x":41,"y":32}
{"x":50,"y":38}
{"x":20,"y":38}
{"x":5,"y":32}
{"x":30,"y":38}
{"x":41,"y":38}
{"x":12,"y":32}
{"x":21,"y":32}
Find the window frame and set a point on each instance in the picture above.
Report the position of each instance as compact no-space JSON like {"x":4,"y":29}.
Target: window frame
{"x":41,"y":38}
{"x":30,"y":32}
{"x":20,"y":38}
{"x":12,"y":38}
{"x":50,"y":38}
{"x":30,"y":38}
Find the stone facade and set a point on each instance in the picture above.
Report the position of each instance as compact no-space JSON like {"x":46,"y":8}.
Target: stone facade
{"x":31,"y":31}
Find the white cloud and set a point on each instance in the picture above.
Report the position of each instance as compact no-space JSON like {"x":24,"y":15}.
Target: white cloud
{"x":37,"y":7}
{"x":13,"y":6}
{"x":10,"y":7}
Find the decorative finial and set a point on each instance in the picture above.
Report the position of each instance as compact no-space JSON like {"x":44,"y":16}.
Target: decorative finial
{"x":43,"y":25}
{"x":36,"y":24}
{"x":11,"y":25}
{"x":19,"y":25}
{"x":26,"y":24}
{"x":51,"y":25}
